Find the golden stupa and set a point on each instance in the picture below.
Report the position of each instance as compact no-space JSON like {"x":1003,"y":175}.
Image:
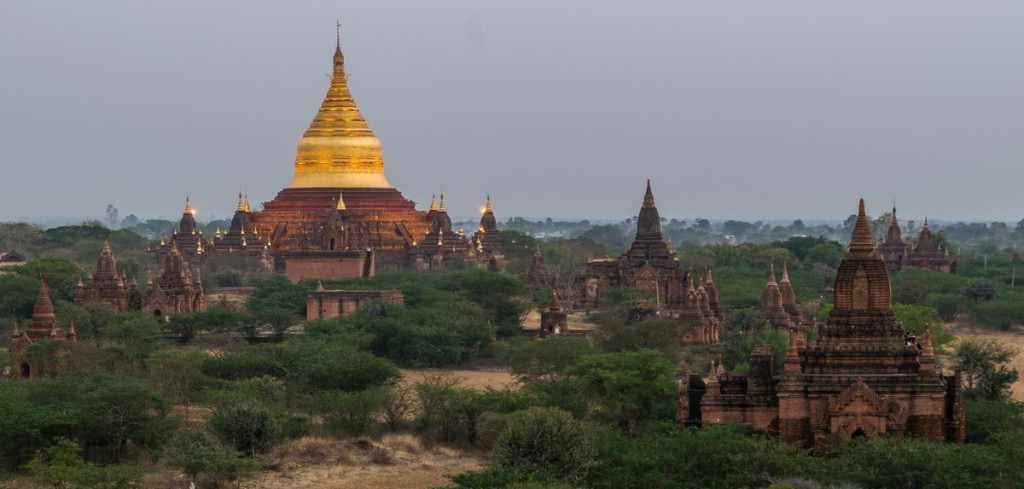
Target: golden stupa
{"x":339,"y":150}
{"x":339,"y":192}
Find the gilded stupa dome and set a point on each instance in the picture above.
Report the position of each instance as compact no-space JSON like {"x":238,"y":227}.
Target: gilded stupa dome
{"x":339,"y":150}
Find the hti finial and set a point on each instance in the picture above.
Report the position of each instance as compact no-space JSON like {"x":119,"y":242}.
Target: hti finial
{"x":488,"y":208}
{"x":187,"y":208}
{"x":338,"y":33}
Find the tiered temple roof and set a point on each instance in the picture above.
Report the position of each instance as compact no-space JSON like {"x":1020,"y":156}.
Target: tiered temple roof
{"x":105,"y":285}
{"x":772,"y":313}
{"x":174,"y":290}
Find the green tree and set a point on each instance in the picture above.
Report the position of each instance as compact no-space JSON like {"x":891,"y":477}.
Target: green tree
{"x":548,"y":358}
{"x":352,"y":413}
{"x":178,"y":373}
{"x":629,"y":383}
{"x":195,"y":452}
{"x":1001,"y":313}
{"x":985,"y":366}
{"x":979,"y":288}
{"x":546,"y":440}
{"x":19,"y":295}
{"x":249,"y":427}
{"x":56,"y":465}
{"x":497,"y":293}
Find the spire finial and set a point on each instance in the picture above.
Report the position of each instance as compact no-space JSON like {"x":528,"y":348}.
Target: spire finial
{"x":785,"y":273}
{"x":442,"y":202}
{"x":488,"y":208}
{"x":246,"y":202}
{"x":648,"y":195}
{"x":341,"y":202}
{"x":433,"y":202}
{"x":339,"y":59}
{"x":771,"y":281}
{"x":188,"y":210}
{"x":862,"y":242}
{"x":241,"y":206}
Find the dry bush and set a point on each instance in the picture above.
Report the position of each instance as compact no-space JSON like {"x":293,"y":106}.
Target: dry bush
{"x":382,"y":455}
{"x":404,"y":442}
{"x":313,"y":449}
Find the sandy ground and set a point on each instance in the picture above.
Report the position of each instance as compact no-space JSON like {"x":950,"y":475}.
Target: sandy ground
{"x":477,"y":379}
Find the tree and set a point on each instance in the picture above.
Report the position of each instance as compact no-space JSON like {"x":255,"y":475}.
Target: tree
{"x":192,"y":452}
{"x":112,"y":216}
{"x":979,"y":288}
{"x":629,"y":383}
{"x":278,"y":320}
{"x":607,"y":234}
{"x":984,"y":363}
{"x":548,"y":358}
{"x":56,"y":465}
{"x":352,"y":413}
{"x":1001,"y":313}
{"x":178,"y":372}
{"x":249,"y":427}
{"x":546,"y":440}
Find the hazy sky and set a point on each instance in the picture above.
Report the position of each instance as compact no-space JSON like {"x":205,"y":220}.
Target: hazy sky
{"x":748,"y":110}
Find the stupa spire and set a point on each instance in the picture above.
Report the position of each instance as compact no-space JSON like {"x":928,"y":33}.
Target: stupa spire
{"x":488,"y":207}
{"x":433,"y":202}
{"x":188,"y":210}
{"x":241,"y":206}
{"x":648,"y":195}
{"x":785,"y":273}
{"x":771,"y":279}
{"x":247,"y":203}
{"x":441,"y":209}
{"x":861,"y":243}
{"x":341,"y":202}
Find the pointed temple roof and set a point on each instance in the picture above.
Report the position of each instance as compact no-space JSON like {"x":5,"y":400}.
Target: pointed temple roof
{"x":187,"y":225}
{"x":488,"y":223}
{"x":339,"y":150}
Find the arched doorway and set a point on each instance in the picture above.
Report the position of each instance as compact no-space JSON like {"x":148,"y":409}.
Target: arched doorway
{"x":26,"y":371}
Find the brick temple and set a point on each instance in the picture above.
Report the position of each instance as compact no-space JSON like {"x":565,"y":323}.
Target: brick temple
{"x":651,"y":263}
{"x":859,"y":378}
{"x":922,"y":255}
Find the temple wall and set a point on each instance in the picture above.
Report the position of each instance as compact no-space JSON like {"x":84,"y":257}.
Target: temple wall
{"x":328,"y":265}
{"x":326,"y":304}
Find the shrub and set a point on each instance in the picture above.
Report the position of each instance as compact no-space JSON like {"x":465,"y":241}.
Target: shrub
{"x":353,"y":413}
{"x":546,"y":440}
{"x":248,"y":427}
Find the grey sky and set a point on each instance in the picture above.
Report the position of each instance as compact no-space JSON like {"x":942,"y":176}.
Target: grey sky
{"x":734,"y":109}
